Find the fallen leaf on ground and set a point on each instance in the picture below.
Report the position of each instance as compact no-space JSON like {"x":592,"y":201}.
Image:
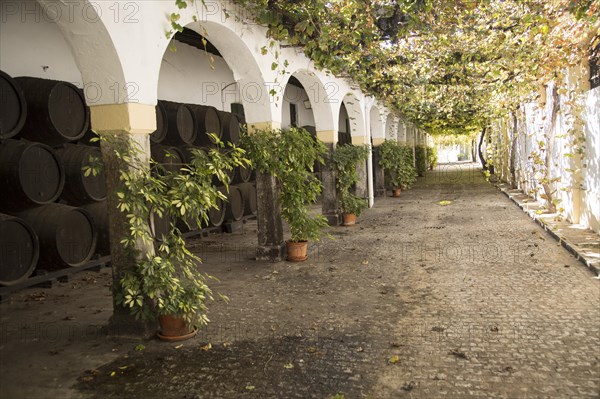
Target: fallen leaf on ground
{"x":206,"y":347}
{"x":394,"y":359}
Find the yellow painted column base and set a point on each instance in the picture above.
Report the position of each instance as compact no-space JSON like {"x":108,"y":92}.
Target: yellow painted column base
{"x":130,"y":118}
{"x":359,"y":140}
{"x":328,"y":136}
{"x":269,"y":125}
{"x":377,"y":141}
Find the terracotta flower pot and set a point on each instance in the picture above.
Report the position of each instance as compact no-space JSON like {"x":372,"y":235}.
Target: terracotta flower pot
{"x":297,"y":251}
{"x":349,"y":219}
{"x":396,"y":192}
{"x":173,"y":328}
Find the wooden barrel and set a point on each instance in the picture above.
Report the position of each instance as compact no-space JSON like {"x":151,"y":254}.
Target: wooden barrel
{"x":187,"y":224}
{"x":67,"y":234}
{"x":242,"y":175}
{"x":56,"y":111}
{"x":207,"y":119}
{"x":19,"y":248}
{"x":30,"y":174}
{"x":187,"y":154}
{"x":13,"y":107}
{"x":181,"y":123}
{"x":216,"y":216}
{"x":98,"y":212}
{"x":80,"y":189}
{"x":170,"y":158}
{"x":162,"y":124}
{"x":234,"y":209}
{"x":230,"y":125}
{"x":249,"y":194}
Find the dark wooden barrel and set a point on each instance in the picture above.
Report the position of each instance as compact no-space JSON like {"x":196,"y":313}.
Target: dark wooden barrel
{"x":80,"y":189}
{"x":13,"y":107}
{"x":242,"y":175}
{"x":187,"y":154}
{"x":169,"y":157}
{"x":234,"y":209}
{"x":186,"y":225}
{"x":181,"y":123}
{"x":216,"y":216}
{"x":67,"y":234}
{"x":56,"y":111}
{"x":230,"y":125}
{"x":98,"y":212}
{"x":90,"y":138}
{"x":208,"y":121}
{"x":30,"y":174}
{"x":19,"y":249}
{"x":162,"y":124}
{"x":249,"y":194}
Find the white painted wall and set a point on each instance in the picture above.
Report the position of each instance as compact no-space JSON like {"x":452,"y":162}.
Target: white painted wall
{"x":188,"y":75}
{"x":31,"y":44}
{"x":296,"y":95}
{"x":580,"y":192}
{"x":590,"y":210}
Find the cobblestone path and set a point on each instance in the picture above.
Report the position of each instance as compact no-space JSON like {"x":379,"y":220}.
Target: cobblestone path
{"x":466,"y":298}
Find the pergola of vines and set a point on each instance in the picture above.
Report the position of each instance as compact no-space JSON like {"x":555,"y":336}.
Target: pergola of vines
{"x":448,"y":66}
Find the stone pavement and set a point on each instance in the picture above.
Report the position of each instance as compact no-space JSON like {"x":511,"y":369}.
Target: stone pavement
{"x":465,"y":298}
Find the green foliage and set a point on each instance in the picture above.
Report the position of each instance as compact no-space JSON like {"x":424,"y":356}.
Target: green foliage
{"x":398,"y":162}
{"x":421,"y":160}
{"x":446,"y":66}
{"x":166,"y":278}
{"x":432,"y":156}
{"x":345,"y":160}
{"x":289,"y":156}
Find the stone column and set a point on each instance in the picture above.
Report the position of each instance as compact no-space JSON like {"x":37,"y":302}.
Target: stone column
{"x":329,"y":196}
{"x":126,"y":123}
{"x":362,"y":188}
{"x":271,"y":246}
{"x":378,"y":171}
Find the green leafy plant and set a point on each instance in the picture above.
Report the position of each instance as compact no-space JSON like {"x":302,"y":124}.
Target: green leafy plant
{"x":289,"y":156}
{"x":345,"y":159}
{"x":165,"y":279}
{"x":421,"y":160}
{"x":432,"y":157}
{"x":397,"y":161}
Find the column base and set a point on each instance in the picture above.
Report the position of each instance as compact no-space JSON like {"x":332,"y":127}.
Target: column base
{"x":333,"y":219}
{"x":273,"y":253}
{"x":124,"y":326}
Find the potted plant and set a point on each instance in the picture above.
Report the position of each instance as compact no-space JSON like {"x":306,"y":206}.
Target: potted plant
{"x":345,"y":159}
{"x":289,"y":156}
{"x":397,"y":161}
{"x":165,"y":282}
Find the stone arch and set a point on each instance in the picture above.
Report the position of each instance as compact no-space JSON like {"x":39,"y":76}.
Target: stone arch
{"x":93,"y":50}
{"x":240,"y":58}
{"x":317,"y":93}
{"x":391,"y":127}
{"x":355,"y":114}
{"x":377,"y":123}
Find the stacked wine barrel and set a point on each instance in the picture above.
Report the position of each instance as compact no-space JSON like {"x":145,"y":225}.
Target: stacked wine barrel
{"x":183,"y":129}
{"x":43,"y":220}
{"x":53,"y":215}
